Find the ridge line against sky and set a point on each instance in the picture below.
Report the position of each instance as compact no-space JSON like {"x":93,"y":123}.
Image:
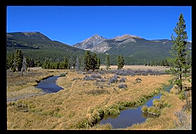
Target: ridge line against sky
{"x":73,"y":24}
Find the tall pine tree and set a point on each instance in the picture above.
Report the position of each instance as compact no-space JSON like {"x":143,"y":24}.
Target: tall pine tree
{"x":107,"y":62}
{"x":19,"y":59}
{"x":180,"y":69}
{"x":120,"y":62}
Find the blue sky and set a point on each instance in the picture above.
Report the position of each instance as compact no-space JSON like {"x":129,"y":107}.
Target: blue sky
{"x":73,"y":24}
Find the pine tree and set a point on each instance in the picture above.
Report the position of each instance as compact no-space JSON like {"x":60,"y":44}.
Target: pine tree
{"x":66,"y":63}
{"x":120,"y":62}
{"x":19,"y":59}
{"x":87,"y":58}
{"x":180,"y":69}
{"x":77,"y":64}
{"x":107,"y":63}
{"x":93,"y":61}
{"x":10,"y":62}
{"x":98,"y":63}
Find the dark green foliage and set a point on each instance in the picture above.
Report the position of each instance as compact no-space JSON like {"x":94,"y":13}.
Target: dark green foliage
{"x":11,"y":62}
{"x":19,"y":59}
{"x":56,"y":65}
{"x":30,"y":62}
{"x":120,"y":62}
{"x":107,"y":63}
{"x":98,"y":63}
{"x":180,"y":67}
{"x":87,"y":62}
{"x":40,"y":48}
{"x":91,"y":61}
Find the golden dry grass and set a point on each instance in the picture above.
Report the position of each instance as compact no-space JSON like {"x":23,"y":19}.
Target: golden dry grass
{"x":18,"y":85}
{"x":167,"y":118}
{"x":64,"y":109}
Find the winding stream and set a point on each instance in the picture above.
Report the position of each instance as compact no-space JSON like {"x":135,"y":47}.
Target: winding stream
{"x":49,"y":85}
{"x":132,"y":115}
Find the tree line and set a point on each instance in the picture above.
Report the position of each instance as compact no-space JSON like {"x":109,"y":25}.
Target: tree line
{"x":180,"y":63}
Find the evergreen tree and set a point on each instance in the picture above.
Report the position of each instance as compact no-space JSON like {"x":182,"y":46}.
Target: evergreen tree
{"x":180,"y":68}
{"x":87,"y":62}
{"x":120,"y":62}
{"x":66,"y":63}
{"x":77,"y":64}
{"x":19,"y":59}
{"x":10,"y":62}
{"x":98,"y":63}
{"x":91,"y":61}
{"x":94,"y":62}
{"x":107,"y":63}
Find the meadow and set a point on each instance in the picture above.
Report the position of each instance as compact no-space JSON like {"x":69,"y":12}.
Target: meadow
{"x":86,"y":97}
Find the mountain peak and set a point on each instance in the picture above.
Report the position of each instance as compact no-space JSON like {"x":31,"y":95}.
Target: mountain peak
{"x":126,"y":36}
{"x":90,"y":42}
{"x":95,"y":37}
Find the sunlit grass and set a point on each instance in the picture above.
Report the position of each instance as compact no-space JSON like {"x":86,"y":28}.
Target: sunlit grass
{"x":80,"y":100}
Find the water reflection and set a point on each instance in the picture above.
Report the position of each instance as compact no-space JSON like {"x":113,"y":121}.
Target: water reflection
{"x":129,"y":117}
{"x":49,"y":85}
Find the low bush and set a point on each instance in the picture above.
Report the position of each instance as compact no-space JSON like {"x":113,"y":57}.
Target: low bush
{"x":145,"y":109}
{"x":138,"y":80}
{"x":122,"y":86}
{"x":96,"y":76}
{"x":181,"y":95}
{"x":88,"y":78}
{"x":114,"y":79}
{"x":157,"y":103}
{"x":122,"y":79}
{"x":62,"y":75}
{"x":83,"y":124}
{"x":153,"y":110}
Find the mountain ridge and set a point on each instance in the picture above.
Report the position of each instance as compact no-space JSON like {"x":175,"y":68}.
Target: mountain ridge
{"x":136,"y":50}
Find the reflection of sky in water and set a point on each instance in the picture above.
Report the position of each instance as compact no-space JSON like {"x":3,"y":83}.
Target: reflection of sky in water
{"x":128,"y":117}
{"x":49,"y":85}
{"x":131,"y":116}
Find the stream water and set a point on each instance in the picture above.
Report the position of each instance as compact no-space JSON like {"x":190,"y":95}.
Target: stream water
{"x":49,"y":85}
{"x":132,"y":115}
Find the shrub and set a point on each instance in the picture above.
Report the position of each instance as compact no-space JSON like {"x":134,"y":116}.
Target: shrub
{"x":88,"y":78}
{"x":95,"y":76}
{"x":122,"y":79}
{"x":114,"y":111}
{"x":114,"y":79}
{"x":156,"y":91}
{"x":122,"y":86}
{"x":181,"y":95}
{"x":144,"y":109}
{"x":157,"y":103}
{"x":153,"y":110}
{"x":62,"y":75}
{"x":82,"y":124}
{"x":138,"y":80}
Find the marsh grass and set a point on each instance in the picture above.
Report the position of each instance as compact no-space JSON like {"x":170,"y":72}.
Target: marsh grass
{"x":73,"y":108}
{"x":24,"y":86}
